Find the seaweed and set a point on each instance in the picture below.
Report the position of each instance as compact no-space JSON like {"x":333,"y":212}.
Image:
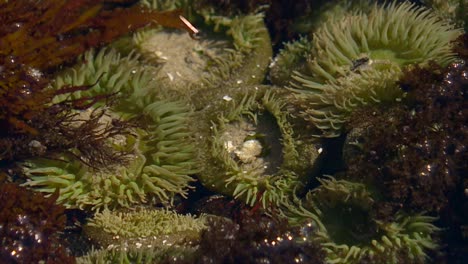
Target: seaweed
{"x":255,"y":237}
{"x":47,"y":34}
{"x":30,"y":226}
{"x":33,"y":126}
{"x":415,"y":152}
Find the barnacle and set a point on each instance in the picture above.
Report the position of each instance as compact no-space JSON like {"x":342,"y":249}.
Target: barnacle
{"x":162,"y":148}
{"x":356,"y":61}
{"x":250,"y":151}
{"x":229,"y":51}
{"x":348,"y":231}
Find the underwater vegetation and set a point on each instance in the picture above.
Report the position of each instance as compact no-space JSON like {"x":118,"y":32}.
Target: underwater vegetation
{"x":355,"y":60}
{"x":30,"y":226}
{"x":62,"y":30}
{"x":415,"y":151}
{"x":253,"y":237}
{"x":248,"y":147}
{"x":33,"y":125}
{"x":349,"y":232}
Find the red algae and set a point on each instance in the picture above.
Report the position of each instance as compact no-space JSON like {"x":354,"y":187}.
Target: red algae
{"x":30,"y":226}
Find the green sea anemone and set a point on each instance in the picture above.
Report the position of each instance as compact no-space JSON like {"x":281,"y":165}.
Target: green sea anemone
{"x":357,"y":60}
{"x":142,"y":236}
{"x":291,"y":58}
{"x":294,"y":55}
{"x":163,"y":153}
{"x":110,"y":73}
{"x":348,"y":231}
{"x":249,"y":149}
{"x":163,"y":157}
{"x":230,"y":51}
{"x":162,"y":227}
{"x":454,"y":10}
{"x":141,"y":255}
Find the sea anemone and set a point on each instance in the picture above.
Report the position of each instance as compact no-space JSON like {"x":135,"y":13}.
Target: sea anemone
{"x":294,"y":55}
{"x":162,"y":148}
{"x":163,"y":157}
{"x":143,"y":255}
{"x":142,"y":236}
{"x":348,"y":231}
{"x":165,"y":4}
{"x":109,"y":73}
{"x":291,"y":58}
{"x":249,"y":148}
{"x":229,"y":51}
{"x":455,"y":10}
{"x":155,"y":227}
{"x":356,"y":60}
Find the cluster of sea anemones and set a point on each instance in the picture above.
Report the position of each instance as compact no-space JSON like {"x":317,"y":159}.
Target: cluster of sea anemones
{"x":189,"y":118}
